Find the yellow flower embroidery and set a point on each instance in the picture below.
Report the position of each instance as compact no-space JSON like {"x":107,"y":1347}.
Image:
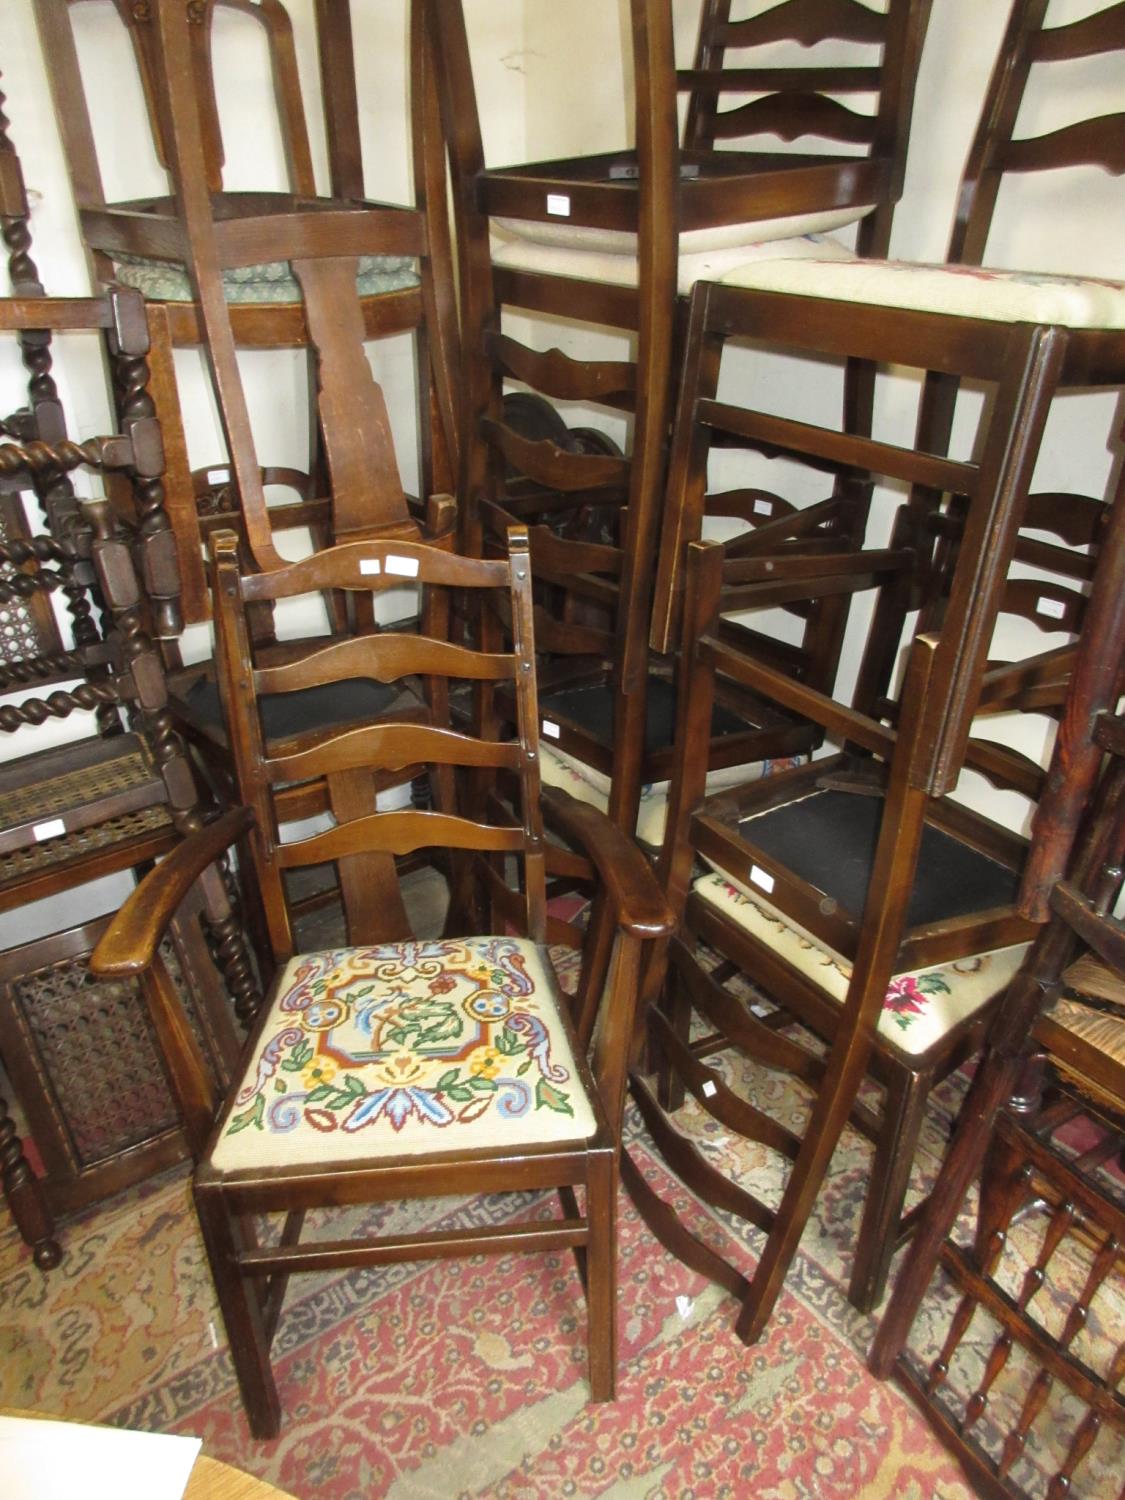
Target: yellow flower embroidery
{"x":486,"y":1064}
{"x":321,"y":1070}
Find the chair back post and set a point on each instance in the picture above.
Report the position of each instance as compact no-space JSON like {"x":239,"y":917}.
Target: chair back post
{"x":523,"y":644}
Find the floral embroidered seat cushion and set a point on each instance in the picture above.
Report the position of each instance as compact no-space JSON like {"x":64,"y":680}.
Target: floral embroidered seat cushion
{"x":952,"y":290}
{"x":166,"y":281}
{"x":919,"y":1008}
{"x":404,"y":1049}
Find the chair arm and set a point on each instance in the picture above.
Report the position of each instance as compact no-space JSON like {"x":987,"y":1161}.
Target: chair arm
{"x":129,"y":944}
{"x":626,"y":874}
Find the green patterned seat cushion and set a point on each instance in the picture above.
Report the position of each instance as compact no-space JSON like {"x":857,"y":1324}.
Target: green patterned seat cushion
{"x":166,"y":281}
{"x":403,"y":1049}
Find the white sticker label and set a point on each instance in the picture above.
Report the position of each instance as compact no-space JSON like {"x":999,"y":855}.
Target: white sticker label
{"x":218,"y":476}
{"x":1053,"y":607}
{"x":763,"y":507}
{"x":550,"y":729}
{"x":403,"y":567}
{"x":559,"y":203}
{"x":761,"y":878}
{"x":370,"y":565}
{"x":685,"y":1306}
{"x":52,"y":830}
{"x":709,"y":1090}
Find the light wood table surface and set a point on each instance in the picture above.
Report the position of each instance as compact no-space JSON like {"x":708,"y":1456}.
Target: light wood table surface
{"x":210,"y":1479}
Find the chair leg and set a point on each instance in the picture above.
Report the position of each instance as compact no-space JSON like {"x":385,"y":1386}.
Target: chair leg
{"x":242,"y":1315}
{"x":24,"y":1193}
{"x":904,"y":1108}
{"x":601,"y":1275}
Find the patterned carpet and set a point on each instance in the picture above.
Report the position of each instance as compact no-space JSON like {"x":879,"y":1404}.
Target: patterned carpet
{"x":466,"y":1379}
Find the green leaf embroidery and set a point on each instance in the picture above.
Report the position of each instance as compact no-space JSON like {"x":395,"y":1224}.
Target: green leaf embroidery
{"x":446,"y":1081}
{"x":483,"y":1085}
{"x":251,"y":1116}
{"x":549,"y":1097}
{"x":508,"y":1042}
{"x":321,"y":1091}
{"x":300,"y":1055}
{"x":932,"y":984}
{"x":460,"y":1094}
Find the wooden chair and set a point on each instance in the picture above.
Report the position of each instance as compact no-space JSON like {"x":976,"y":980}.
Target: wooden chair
{"x":793,"y":857}
{"x":504,"y":1100}
{"x":1061,"y":1013}
{"x":399,"y":257}
{"x":612,"y":240}
{"x":77,"y":1053}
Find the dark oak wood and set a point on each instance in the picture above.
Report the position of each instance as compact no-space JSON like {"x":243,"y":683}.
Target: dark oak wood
{"x":206,"y":228}
{"x":628,"y":912}
{"x":655,"y":192}
{"x":903,"y":751}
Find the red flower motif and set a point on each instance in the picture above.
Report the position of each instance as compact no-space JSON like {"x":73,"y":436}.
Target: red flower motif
{"x":904,"y":997}
{"x":442,"y":984}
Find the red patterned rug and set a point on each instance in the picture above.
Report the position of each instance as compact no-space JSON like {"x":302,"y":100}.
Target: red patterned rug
{"x":465,"y":1378}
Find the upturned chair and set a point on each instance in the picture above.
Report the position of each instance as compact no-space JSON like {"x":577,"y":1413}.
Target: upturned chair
{"x":393,"y":1068}
{"x":612,"y":240}
{"x":854,"y":892}
{"x":1055,"y":1059}
{"x":400,"y":276}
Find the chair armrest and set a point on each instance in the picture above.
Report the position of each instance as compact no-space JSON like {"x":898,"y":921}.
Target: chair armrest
{"x":626,"y":874}
{"x":129,"y":944}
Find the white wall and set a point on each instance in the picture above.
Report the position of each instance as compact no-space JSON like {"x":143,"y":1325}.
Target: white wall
{"x":551,"y":79}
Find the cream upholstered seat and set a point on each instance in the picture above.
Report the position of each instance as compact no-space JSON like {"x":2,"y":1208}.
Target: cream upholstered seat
{"x":610,"y":256}
{"x":404,"y":1048}
{"x":589,"y":785}
{"x":951,"y":290}
{"x":920,"y":1007}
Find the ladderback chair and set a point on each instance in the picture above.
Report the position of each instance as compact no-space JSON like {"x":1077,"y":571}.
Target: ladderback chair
{"x":855,"y":893}
{"x":1032,"y":78}
{"x":399,"y":256}
{"x":1044,"y":1118}
{"x":613,"y":239}
{"x":394,"y":1068}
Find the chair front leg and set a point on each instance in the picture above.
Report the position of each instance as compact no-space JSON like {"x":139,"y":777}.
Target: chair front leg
{"x":601,"y":1274}
{"x":242,"y":1312}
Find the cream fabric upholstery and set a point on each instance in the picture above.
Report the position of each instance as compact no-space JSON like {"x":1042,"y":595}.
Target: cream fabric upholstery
{"x":588,"y":785}
{"x":403,"y":1049}
{"x":585,"y":237}
{"x":272,"y":282}
{"x":957,"y":291}
{"x":919,"y":1007}
{"x":619,"y":268}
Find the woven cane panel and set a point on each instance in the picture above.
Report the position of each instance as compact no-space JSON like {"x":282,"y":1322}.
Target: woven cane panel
{"x":73,"y":845}
{"x":76,"y":788}
{"x":96,"y":1045}
{"x":20,"y":635}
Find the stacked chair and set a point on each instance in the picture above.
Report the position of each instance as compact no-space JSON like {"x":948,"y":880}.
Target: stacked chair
{"x":393,"y":1069}
{"x":82,"y":1059}
{"x":1056,"y":1059}
{"x":243,"y":276}
{"x":614,"y":240}
{"x":852,"y":887}
{"x":1054,"y":546}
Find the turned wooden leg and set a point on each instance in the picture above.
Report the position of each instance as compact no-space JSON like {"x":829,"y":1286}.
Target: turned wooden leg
{"x":24,"y":1193}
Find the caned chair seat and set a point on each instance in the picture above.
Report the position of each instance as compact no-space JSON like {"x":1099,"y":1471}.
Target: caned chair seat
{"x":951,"y":290}
{"x":271,"y":282}
{"x":407,"y":1048}
{"x":602,"y":259}
{"x":919,"y":1007}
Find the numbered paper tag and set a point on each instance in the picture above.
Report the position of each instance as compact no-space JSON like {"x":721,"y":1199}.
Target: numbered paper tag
{"x":402,"y":567}
{"x":370,"y":565}
{"x":763,"y":507}
{"x":218,"y":476}
{"x":550,"y":729}
{"x":1055,"y":608}
{"x":708,"y":1089}
{"x":52,"y":830}
{"x":559,"y":204}
{"x":761,"y":878}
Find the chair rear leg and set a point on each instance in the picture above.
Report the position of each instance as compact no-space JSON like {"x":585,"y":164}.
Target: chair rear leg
{"x":242,"y":1312}
{"x":904,"y":1108}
